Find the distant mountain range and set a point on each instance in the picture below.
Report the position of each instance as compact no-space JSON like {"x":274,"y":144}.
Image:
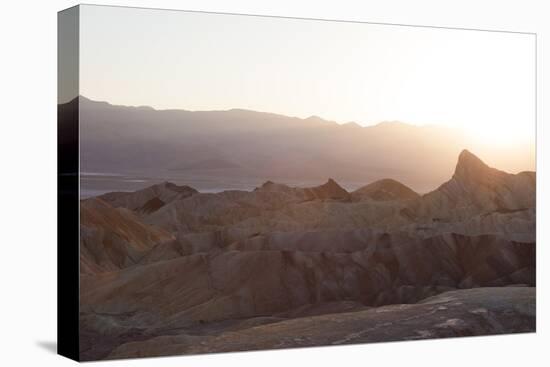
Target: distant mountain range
{"x":263,"y":146}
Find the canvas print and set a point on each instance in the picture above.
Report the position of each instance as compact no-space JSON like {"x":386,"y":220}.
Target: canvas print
{"x":250,"y":182}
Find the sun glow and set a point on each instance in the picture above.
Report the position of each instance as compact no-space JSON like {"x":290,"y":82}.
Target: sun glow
{"x":480,"y":82}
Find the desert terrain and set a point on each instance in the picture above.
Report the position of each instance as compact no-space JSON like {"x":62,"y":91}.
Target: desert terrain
{"x":170,"y":270}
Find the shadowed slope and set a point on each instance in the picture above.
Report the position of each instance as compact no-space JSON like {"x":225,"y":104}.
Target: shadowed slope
{"x":111,"y":238}
{"x":250,"y":279}
{"x":482,"y":311}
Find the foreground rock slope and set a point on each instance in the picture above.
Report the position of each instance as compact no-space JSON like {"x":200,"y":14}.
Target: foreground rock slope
{"x":481,"y":311}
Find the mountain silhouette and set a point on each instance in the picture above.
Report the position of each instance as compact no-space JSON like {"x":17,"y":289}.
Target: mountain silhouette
{"x":237,"y":143}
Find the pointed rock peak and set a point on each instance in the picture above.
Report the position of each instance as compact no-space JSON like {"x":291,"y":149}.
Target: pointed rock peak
{"x":469,"y":165}
{"x":467,"y":156}
{"x":332,"y":183}
{"x":329,"y":190}
{"x":333,"y":189}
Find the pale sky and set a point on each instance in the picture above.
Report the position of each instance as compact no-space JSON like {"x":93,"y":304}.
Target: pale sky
{"x":481,"y":81}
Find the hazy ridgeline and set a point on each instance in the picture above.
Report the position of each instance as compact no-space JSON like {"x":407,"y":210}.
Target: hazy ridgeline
{"x":240,"y":149}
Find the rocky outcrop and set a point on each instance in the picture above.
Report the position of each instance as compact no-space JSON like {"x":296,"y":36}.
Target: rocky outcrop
{"x":170,"y":270}
{"x":475,"y":189}
{"x":478,"y":199}
{"x":113,"y":238}
{"x":385,"y":189}
{"x":480,"y":311}
{"x":328,"y":191}
{"x":150,"y":199}
{"x":264,"y":277}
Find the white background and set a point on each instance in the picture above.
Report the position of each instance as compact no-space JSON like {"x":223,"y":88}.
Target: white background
{"x":28,"y":184}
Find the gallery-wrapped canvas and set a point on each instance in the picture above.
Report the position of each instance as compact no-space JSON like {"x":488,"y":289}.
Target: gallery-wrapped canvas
{"x":235,"y":182}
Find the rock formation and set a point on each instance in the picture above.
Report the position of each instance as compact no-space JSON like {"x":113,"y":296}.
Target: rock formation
{"x":150,"y":199}
{"x":113,"y":238}
{"x":385,"y":189}
{"x":171,"y":270}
